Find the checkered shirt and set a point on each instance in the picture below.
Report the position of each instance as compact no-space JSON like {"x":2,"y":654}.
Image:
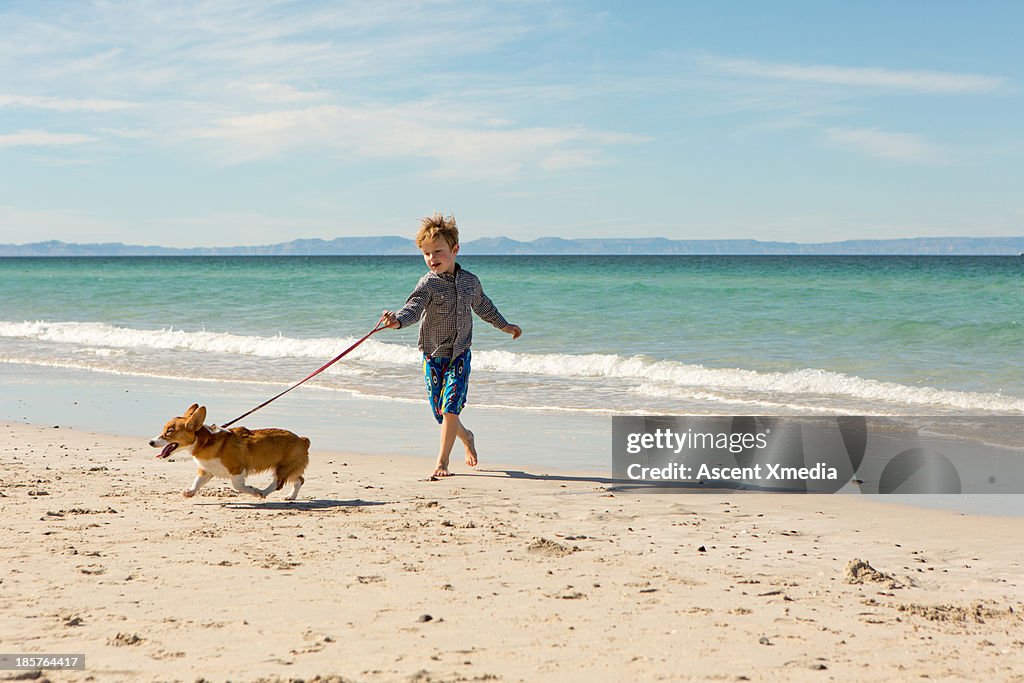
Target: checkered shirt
{"x":444,"y":304}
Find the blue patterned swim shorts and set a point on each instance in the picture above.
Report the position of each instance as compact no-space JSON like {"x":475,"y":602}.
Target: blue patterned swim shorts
{"x":447,"y":383}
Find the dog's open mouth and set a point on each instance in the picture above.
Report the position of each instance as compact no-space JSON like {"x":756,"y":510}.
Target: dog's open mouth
{"x":168,"y":449}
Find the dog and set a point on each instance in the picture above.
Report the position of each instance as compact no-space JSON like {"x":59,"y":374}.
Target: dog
{"x":234,"y":453}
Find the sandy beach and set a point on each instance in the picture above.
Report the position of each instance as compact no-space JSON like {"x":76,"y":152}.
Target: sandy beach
{"x":500,"y":574}
{"x":672,"y":264}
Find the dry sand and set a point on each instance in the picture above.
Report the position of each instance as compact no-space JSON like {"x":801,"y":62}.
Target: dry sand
{"x":499,"y":575}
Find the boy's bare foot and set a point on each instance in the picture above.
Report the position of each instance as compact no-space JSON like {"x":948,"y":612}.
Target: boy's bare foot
{"x":470,"y":445}
{"x":441,"y":471}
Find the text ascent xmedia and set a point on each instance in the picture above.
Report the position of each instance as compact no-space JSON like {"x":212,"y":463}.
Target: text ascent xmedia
{"x":669,"y":440}
{"x":674,"y":471}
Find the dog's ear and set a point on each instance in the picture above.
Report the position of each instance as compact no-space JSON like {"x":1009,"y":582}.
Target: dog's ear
{"x":191,"y":409}
{"x":195,"y":420}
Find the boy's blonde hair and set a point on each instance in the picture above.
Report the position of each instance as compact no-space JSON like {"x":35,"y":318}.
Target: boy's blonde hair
{"x":432,"y":227}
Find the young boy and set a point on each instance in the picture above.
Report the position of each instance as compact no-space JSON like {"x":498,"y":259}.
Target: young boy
{"x":442,"y":302}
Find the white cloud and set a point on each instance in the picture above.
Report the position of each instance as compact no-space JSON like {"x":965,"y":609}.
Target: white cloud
{"x":126,"y":133}
{"x":64,"y":104}
{"x":910,"y":81}
{"x":278,"y":93}
{"x":383,"y":80}
{"x":902,"y":147}
{"x":42,"y":138}
{"x":63,"y":163}
{"x":205,"y":46}
{"x":464,"y":145}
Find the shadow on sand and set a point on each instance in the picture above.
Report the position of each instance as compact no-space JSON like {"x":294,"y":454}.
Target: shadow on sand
{"x":611,"y":485}
{"x":294,"y":506}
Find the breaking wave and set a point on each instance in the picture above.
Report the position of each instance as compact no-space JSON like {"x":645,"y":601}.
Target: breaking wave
{"x":662,"y":379}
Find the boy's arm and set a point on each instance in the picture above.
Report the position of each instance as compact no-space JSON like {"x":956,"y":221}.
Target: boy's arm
{"x":488,"y":312}
{"x":413,"y":309}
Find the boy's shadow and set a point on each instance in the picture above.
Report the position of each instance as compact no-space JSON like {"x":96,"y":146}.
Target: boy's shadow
{"x":613,"y":485}
{"x":520,"y":474}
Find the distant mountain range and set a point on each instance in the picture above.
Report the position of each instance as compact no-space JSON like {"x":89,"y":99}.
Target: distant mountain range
{"x":394,"y":246}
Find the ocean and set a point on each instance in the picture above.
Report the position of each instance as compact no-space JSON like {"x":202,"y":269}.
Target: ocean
{"x":670,"y":335}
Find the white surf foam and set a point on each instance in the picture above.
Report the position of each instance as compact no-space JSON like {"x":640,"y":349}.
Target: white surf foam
{"x":661,"y":378}
{"x":666,"y":378}
{"x":110,"y":336}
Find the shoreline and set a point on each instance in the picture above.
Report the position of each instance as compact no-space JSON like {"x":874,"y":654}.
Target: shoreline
{"x":334,"y":420}
{"x":525,"y":577}
{"x":560,"y":443}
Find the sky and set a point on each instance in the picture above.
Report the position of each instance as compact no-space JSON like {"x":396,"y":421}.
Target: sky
{"x":224,"y":123}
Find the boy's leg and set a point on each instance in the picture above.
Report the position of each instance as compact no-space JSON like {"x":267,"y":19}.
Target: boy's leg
{"x":452,"y":427}
{"x":448,"y":396}
{"x":469,"y":443}
{"x":449,"y":429}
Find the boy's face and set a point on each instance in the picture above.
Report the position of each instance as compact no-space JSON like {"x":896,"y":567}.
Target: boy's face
{"x":439,"y":257}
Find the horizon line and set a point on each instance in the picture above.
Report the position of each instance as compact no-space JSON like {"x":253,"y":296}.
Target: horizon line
{"x":503,"y":237}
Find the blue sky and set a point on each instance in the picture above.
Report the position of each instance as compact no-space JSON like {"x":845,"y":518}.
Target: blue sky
{"x":229,"y":122}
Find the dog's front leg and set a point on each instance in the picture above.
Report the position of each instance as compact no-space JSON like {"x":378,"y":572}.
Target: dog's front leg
{"x":238,"y":482}
{"x":201,"y":480}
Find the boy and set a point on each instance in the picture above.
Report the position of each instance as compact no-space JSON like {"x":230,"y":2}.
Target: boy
{"x":441,"y":302}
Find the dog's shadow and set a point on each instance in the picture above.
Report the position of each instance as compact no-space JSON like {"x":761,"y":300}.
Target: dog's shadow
{"x":294,"y":506}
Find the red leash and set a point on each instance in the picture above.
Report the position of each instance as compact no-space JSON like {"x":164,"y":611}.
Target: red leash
{"x":311,"y":376}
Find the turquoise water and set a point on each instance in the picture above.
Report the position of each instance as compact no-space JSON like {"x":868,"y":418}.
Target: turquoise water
{"x":673,"y":335}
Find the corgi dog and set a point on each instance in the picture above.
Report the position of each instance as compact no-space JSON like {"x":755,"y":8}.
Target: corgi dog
{"x":234,"y":453}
